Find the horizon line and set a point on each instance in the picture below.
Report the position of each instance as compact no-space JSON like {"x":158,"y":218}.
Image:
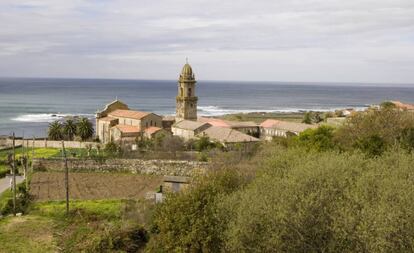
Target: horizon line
{"x":216,"y":80}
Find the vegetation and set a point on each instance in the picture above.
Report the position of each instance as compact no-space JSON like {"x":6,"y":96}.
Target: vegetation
{"x":84,"y":129}
{"x":345,"y":189}
{"x":328,"y":190}
{"x":299,"y":201}
{"x":55,"y":131}
{"x":67,"y":130}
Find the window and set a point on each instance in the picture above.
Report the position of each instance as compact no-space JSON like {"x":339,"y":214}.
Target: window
{"x":151,"y":123}
{"x":146,"y":124}
{"x":189,"y":91}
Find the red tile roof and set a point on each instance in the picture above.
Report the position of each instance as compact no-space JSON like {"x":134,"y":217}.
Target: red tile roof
{"x":152,"y":130}
{"x":128,"y":129}
{"x":403,"y":106}
{"x":107,"y":119}
{"x":128,"y":114}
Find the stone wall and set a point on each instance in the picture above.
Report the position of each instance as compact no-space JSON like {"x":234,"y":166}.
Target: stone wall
{"x":50,"y":144}
{"x":154,"y":167}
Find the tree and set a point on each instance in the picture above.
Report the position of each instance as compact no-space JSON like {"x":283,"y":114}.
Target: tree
{"x":307,"y":118}
{"x":69,"y":129}
{"x":319,"y":139}
{"x":84,"y":129}
{"x":172,"y":144}
{"x":55,"y":131}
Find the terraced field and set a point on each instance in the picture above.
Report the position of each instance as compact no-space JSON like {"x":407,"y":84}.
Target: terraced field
{"x":47,"y":186}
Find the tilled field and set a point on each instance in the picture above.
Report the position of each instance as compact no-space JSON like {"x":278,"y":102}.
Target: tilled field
{"x":51,"y":186}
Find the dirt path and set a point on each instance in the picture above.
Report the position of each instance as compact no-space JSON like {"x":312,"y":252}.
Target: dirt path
{"x":5,"y":183}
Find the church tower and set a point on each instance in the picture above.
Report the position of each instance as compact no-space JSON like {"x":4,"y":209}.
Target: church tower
{"x":186,"y":108}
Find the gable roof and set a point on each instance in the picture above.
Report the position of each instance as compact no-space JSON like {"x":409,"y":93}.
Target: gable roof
{"x":286,"y":125}
{"x":190,"y":125}
{"x":227,"y":123}
{"x":129,"y":114}
{"x":107,"y":119}
{"x":227,"y":135}
{"x":152,"y":130}
{"x":127,"y":129}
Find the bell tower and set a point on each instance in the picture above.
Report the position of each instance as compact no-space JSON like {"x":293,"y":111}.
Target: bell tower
{"x":186,"y":107}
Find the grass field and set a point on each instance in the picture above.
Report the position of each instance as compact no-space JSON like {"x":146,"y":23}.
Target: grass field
{"x":47,"y":228}
{"x":46,"y":186}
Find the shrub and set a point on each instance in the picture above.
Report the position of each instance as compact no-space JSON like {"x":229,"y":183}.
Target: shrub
{"x":302,"y":202}
{"x":319,"y":139}
{"x":187,"y":221}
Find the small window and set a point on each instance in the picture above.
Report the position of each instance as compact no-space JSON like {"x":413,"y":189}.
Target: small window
{"x":146,"y":124}
{"x":189,"y":91}
{"x":151,"y":123}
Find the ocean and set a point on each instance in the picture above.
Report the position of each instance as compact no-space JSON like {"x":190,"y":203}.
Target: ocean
{"x":28,"y":105}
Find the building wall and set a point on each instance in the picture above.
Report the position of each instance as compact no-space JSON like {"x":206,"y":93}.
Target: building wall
{"x":151,"y":120}
{"x":184,"y":133}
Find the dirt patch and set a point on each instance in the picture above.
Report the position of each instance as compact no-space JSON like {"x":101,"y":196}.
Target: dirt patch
{"x":47,"y":186}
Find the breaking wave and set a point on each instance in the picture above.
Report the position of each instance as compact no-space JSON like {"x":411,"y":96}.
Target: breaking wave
{"x":47,"y":117}
{"x":215,"y":110}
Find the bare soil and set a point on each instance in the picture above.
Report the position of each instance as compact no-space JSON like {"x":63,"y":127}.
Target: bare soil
{"x":47,"y":186}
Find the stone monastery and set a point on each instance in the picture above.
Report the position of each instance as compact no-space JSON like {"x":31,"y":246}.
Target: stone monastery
{"x":118,"y":123}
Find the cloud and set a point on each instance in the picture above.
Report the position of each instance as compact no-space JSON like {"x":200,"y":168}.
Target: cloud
{"x":150,"y":39}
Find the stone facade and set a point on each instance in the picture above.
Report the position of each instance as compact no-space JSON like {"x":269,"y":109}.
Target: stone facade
{"x":116,"y":122}
{"x":186,"y":101}
{"x":139,"y":166}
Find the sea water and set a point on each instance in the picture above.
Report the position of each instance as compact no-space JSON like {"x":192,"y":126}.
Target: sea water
{"x":27,"y":106}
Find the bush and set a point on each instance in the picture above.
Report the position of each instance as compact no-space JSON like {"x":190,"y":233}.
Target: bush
{"x":187,"y":221}
{"x":324,"y":203}
{"x":294,"y":201}
{"x":319,"y":139}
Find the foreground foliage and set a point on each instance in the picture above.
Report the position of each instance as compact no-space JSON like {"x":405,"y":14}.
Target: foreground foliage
{"x":298,"y":202}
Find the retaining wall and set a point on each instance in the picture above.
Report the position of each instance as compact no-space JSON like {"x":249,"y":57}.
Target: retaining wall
{"x":154,"y":167}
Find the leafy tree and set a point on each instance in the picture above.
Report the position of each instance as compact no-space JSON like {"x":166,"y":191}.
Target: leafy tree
{"x":84,"y":129}
{"x":173,"y":144}
{"x":111,"y":149}
{"x":319,"y":139}
{"x":69,"y":129}
{"x":55,"y":131}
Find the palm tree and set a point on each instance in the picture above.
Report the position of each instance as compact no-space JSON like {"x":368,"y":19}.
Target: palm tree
{"x":55,"y":131}
{"x":84,"y":129}
{"x":69,"y":129}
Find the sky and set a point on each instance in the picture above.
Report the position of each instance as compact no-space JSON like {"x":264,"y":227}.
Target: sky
{"x":264,"y":40}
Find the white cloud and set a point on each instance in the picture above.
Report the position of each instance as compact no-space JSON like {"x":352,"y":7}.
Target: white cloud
{"x":296,"y":40}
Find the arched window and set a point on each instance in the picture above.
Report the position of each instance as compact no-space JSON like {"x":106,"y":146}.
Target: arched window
{"x":189,"y":91}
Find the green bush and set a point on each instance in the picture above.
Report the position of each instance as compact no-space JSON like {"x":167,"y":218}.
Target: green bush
{"x":302,"y":202}
{"x":187,"y":222}
{"x":319,"y":139}
{"x":294,"y":201}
